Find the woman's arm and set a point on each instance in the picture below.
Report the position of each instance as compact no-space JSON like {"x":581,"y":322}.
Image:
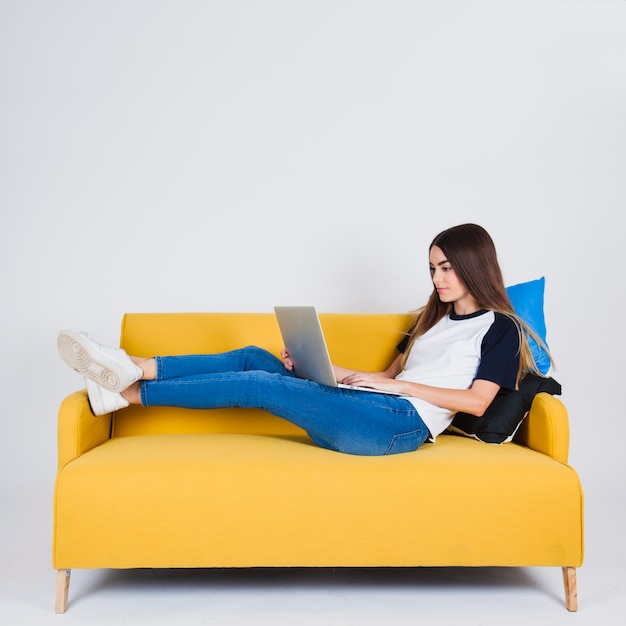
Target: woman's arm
{"x":474,"y":400}
{"x":342,"y":372}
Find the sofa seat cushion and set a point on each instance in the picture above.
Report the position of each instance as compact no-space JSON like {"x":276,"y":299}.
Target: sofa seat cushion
{"x":235,"y":500}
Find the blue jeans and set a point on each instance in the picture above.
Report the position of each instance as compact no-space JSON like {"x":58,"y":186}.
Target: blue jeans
{"x":354,"y":422}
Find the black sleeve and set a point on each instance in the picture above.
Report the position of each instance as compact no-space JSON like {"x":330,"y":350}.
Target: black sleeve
{"x":500,"y":353}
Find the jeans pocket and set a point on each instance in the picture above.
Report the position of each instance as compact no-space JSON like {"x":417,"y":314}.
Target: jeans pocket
{"x":406,"y":442}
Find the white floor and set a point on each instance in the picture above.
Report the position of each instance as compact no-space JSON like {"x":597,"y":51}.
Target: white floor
{"x":485,"y":596}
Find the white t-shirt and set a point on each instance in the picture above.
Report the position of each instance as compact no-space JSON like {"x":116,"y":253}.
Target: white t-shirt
{"x":456,"y":351}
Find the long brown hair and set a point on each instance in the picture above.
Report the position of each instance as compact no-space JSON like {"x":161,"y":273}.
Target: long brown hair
{"x":472,"y":255}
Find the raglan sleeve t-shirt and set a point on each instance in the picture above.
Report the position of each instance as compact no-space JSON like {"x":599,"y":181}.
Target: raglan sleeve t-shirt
{"x":458,"y":350}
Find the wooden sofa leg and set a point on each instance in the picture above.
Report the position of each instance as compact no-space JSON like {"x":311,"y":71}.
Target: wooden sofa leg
{"x":63,"y":588}
{"x":571,"y":593}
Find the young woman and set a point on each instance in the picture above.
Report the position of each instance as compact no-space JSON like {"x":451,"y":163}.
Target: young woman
{"x":466,"y":344}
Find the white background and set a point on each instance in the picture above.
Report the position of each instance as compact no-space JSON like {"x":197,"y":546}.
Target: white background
{"x":232,"y":155}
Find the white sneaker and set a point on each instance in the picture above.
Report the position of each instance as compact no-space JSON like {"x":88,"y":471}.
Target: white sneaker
{"x":110,"y":368}
{"x":102,"y":400}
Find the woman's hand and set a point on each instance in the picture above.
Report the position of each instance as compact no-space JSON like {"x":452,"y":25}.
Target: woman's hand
{"x":287,"y":362}
{"x":384,"y":381}
{"x":374,"y":380}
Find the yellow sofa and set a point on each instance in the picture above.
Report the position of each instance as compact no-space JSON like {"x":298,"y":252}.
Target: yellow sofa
{"x":175,"y":488}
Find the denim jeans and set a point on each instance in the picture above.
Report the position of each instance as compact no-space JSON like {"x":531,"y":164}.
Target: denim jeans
{"x":345,"y":420}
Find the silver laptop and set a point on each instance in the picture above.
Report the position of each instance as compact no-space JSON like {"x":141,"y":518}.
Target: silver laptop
{"x":304,"y":340}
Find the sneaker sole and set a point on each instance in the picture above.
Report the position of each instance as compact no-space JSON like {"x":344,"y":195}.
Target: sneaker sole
{"x":76,"y":350}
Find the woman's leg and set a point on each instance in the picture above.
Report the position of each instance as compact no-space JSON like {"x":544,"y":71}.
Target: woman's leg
{"x":348,"y":421}
{"x":354,"y":422}
{"x":147,"y":366}
{"x":240,"y":360}
{"x":195,"y":365}
{"x":115,"y":370}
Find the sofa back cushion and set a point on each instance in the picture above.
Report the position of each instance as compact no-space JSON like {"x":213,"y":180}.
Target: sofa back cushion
{"x":361,"y":341}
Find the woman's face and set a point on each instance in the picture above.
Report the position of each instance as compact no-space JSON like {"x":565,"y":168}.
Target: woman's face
{"x":448,"y":285}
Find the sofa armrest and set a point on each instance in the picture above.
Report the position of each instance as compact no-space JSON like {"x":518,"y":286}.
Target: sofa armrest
{"x":546,"y":427}
{"x":78,"y":429}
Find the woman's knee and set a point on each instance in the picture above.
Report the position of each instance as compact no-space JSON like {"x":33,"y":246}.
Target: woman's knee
{"x":257,"y":358}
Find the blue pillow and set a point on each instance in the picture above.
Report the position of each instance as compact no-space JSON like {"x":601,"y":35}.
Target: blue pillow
{"x":527,"y":301}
